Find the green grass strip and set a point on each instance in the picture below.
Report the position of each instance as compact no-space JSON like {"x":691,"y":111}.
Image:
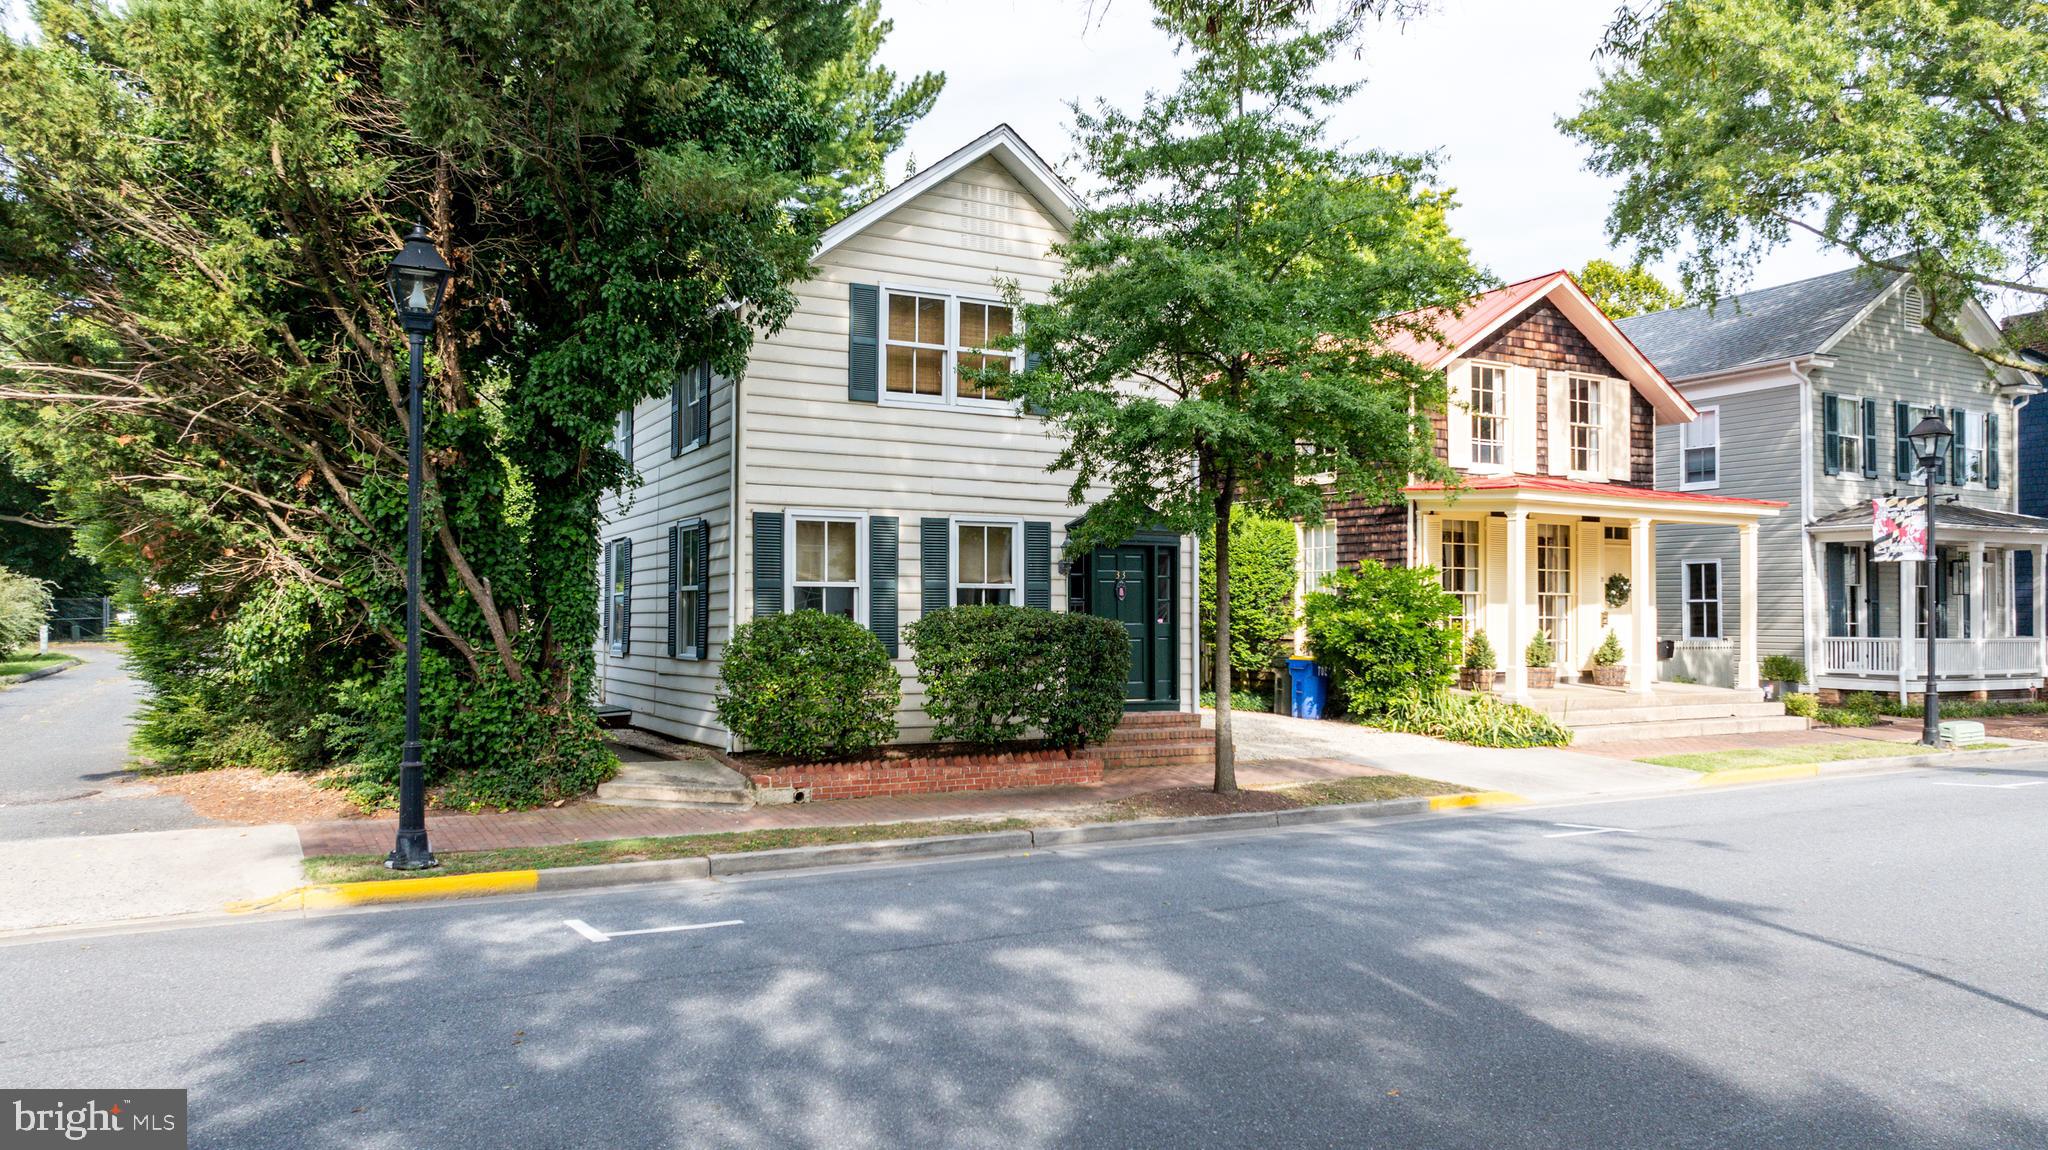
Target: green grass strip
{"x":1705,"y":761}
{"x":26,"y":663}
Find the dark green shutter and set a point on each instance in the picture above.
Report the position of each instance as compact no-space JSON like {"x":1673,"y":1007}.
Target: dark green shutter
{"x":1038,"y":565}
{"x":934,"y":540}
{"x":767,"y":563}
{"x":674,"y":558}
{"x":1031,"y":363}
{"x":1873,"y":603}
{"x":1870,"y":439}
{"x":1957,"y":473}
{"x":1837,"y":558}
{"x":604,"y":591}
{"x":864,"y":303}
{"x":882,"y":538}
{"x":1940,"y":590}
{"x":1830,"y":427}
{"x":678,"y":395}
{"x":1991,"y":449}
{"x":1904,"y":463}
{"x":703,"y":620}
{"x":626,"y":589}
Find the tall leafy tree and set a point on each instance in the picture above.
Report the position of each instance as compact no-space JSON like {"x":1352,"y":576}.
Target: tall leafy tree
{"x":1219,"y":335}
{"x":1910,"y":135}
{"x":197,"y":201}
{"x":1625,"y":291}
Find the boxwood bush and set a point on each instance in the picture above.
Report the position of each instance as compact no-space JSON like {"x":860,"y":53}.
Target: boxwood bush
{"x":995,"y":674}
{"x":808,"y":685}
{"x":1384,"y":632}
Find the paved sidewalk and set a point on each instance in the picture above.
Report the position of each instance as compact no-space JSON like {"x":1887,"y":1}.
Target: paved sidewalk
{"x":581,"y":822}
{"x":108,"y":878}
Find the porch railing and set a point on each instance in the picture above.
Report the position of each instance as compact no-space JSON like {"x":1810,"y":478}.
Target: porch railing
{"x":1957,"y":658}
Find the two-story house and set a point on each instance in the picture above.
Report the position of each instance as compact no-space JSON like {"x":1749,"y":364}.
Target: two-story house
{"x":1806,"y":393}
{"x":1552,"y":426}
{"x":853,"y":469}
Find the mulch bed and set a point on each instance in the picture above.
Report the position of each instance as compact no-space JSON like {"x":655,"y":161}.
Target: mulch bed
{"x":252,"y":797}
{"x":1176,"y":802}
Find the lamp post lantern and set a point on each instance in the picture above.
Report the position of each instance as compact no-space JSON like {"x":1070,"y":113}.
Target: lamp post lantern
{"x":418,"y":277}
{"x":1930,"y":439}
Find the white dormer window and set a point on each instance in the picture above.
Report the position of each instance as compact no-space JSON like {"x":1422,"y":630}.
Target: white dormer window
{"x":1489,"y":405}
{"x":1586,"y":423}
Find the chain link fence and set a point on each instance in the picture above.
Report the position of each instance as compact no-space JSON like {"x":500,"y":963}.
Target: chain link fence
{"x":80,"y":620}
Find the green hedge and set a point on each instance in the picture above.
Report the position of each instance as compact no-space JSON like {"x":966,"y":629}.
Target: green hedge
{"x":994,"y":674}
{"x":808,"y":685}
{"x":1476,"y":720}
{"x":1384,"y":632}
{"x":1262,"y":578}
{"x":24,"y":604}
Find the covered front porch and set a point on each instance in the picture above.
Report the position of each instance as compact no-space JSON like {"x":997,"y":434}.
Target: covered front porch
{"x":1572,"y":560}
{"x":1987,"y":604}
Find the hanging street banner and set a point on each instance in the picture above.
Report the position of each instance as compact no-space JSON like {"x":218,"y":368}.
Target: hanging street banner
{"x":1898,"y":530}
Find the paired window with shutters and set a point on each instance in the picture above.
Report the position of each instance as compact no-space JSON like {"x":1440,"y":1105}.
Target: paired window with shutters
{"x":928,"y":347}
{"x":842,"y":563}
{"x":689,"y":410}
{"x":689,"y":589}
{"x":618,"y":596}
{"x":1973,"y":455}
{"x":965,"y":561}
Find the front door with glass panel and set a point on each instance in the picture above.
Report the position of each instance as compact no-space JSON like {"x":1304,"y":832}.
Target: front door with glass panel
{"x":1554,"y":586}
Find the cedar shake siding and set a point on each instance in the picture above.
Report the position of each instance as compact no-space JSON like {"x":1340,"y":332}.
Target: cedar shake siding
{"x":1370,"y":531}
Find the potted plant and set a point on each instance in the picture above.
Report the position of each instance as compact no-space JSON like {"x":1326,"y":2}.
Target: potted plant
{"x":1477,"y":673}
{"x":1782,"y":675}
{"x":1607,"y":669}
{"x":1540,"y":656}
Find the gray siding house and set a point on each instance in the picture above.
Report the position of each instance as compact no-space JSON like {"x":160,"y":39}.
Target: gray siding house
{"x":1806,"y":392}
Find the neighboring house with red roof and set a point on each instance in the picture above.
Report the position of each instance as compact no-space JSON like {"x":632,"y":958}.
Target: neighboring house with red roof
{"x":1552,"y":426}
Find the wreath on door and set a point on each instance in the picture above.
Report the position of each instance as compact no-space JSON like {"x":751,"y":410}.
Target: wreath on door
{"x":1617,"y":590}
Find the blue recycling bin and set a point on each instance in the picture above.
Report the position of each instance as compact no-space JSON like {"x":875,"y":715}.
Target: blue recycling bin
{"x":1310,"y":688}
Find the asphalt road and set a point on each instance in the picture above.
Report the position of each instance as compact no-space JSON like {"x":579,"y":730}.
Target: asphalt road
{"x":1849,"y":963}
{"x":63,"y":747}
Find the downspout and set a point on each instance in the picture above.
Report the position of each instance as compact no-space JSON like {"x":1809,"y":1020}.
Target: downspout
{"x":738,"y":503}
{"x":1809,"y":639}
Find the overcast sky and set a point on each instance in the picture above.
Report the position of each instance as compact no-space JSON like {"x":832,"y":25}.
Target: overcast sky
{"x":1480,"y":81}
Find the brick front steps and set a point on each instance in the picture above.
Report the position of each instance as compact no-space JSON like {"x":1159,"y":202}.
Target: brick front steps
{"x":1158,"y":739}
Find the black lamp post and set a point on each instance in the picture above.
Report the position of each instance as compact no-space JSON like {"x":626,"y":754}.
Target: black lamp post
{"x":1930,"y":439}
{"x":418,"y":275}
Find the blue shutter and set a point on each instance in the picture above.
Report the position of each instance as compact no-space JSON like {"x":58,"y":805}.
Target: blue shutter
{"x":1038,"y":565}
{"x":1870,"y":439}
{"x":1957,"y":473}
{"x":882,"y":535}
{"x":1991,"y":449}
{"x":1837,"y":557}
{"x":674,"y":558}
{"x":1904,"y":462}
{"x":1830,"y":427}
{"x":703,"y":620}
{"x":626,"y":589}
{"x":934,"y":539}
{"x":767,"y":563}
{"x":864,"y":304}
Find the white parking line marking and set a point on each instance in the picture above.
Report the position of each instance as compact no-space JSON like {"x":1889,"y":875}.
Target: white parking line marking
{"x":1996,"y":786}
{"x":1586,"y":829}
{"x":595,"y":935}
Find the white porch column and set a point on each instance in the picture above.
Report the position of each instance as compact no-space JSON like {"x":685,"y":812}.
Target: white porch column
{"x":1745,"y":643}
{"x":1519,"y":614}
{"x":1909,"y":622}
{"x":2040,"y":608}
{"x":1979,"y":617}
{"x":1642,"y":578}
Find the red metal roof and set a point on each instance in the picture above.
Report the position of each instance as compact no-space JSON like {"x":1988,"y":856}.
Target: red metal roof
{"x":1481,"y":311}
{"x":1584,"y":487}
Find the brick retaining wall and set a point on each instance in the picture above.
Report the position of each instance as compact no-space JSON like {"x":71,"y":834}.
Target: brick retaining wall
{"x":913,"y":776}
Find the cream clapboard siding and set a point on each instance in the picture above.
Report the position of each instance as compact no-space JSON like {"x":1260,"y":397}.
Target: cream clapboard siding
{"x":1759,"y":459}
{"x":807,"y":447}
{"x":670,"y":695}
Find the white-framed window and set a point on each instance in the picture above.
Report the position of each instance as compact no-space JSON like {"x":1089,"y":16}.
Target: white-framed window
{"x":1971,"y":433}
{"x":1459,"y":567}
{"x":622,"y":435}
{"x":691,"y":414}
{"x":1847,"y":443}
{"x":1699,"y":451}
{"x":1613,"y":534}
{"x":1489,"y":402}
{"x":930,"y":337}
{"x":1554,"y":586}
{"x":1316,"y":556}
{"x":988,"y":561}
{"x":1583,"y":413}
{"x":618,"y":594}
{"x":830,"y":571}
{"x":690,"y":586}
{"x":1852,"y":590}
{"x":1703,"y":599}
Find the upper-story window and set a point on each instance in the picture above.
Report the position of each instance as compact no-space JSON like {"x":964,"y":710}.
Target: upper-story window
{"x":933,"y":343}
{"x":1317,"y":557}
{"x":1843,"y":426}
{"x":1970,"y":437}
{"x":1699,"y":451}
{"x":1586,"y":422}
{"x":1489,"y":404}
{"x":690,"y":409}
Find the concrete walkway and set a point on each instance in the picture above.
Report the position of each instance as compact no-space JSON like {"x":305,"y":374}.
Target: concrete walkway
{"x":111,"y":878}
{"x":1537,"y":773}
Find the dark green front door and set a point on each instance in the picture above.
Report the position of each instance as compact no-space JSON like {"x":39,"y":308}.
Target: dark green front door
{"x":1135,"y":586}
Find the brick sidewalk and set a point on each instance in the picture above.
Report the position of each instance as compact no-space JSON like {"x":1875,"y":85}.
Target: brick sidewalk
{"x":582,"y":822}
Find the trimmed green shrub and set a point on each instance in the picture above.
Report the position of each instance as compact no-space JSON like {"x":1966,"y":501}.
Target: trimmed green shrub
{"x":24,"y":604}
{"x":994,"y":674}
{"x":1479,"y":654}
{"x":1242,"y":701}
{"x":1384,"y":632}
{"x":1476,"y":720}
{"x":1804,"y":706}
{"x":1262,"y":618}
{"x":1844,"y":717}
{"x":1783,"y":668}
{"x":1540,"y":653}
{"x":808,"y":685}
{"x":1610,"y":653}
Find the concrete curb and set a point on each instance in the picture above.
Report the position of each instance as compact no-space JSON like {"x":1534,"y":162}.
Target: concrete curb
{"x":327,"y":896}
{"x":40,"y":673}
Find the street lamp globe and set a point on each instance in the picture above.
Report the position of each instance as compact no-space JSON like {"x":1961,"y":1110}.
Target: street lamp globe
{"x":1930,"y":438}
{"x":418,"y":276}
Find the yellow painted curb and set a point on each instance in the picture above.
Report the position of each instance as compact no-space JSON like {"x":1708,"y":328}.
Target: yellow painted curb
{"x":1475,"y":799}
{"x":1760,"y":774}
{"x":393,"y":890}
